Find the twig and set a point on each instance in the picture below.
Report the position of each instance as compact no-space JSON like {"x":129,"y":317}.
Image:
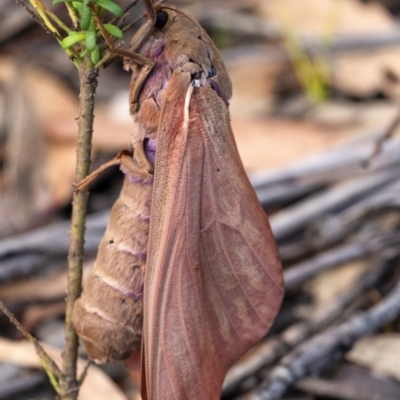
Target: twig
{"x":34,"y":16}
{"x":387,"y":134}
{"x":334,"y":228}
{"x":84,"y":372}
{"x":314,"y":354}
{"x":277,"y":187}
{"x":303,"y":271}
{"x":88,"y":84}
{"x":54,"y":373}
{"x":294,"y":218}
{"x":126,"y":13}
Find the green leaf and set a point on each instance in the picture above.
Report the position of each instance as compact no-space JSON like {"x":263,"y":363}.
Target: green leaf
{"x":60,"y":1}
{"x":72,"y":39}
{"x":83,"y":53}
{"x":86,"y":16}
{"x":114,"y":30}
{"x":90,"y":40}
{"x":78,"y":6}
{"x":109,"y":5}
{"x":95,"y":55}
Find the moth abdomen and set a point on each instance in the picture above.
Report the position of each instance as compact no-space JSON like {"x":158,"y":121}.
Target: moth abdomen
{"x":109,"y":315}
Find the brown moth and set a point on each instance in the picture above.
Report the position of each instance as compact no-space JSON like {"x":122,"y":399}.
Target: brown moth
{"x":209,"y":276}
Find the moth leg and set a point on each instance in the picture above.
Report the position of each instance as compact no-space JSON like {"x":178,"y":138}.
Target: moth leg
{"x":129,"y":166}
{"x":91,"y":177}
{"x":140,"y":157}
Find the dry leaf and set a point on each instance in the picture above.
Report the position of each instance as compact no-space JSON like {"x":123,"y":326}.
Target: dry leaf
{"x":380,"y":353}
{"x":97,"y":385}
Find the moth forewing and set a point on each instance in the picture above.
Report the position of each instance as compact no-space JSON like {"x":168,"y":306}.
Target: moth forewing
{"x":213,"y":283}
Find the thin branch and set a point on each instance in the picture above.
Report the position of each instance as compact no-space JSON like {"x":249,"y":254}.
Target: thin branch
{"x":387,"y":134}
{"x":125,"y":28}
{"x":126,"y":13}
{"x":51,"y":368}
{"x":34,"y":16}
{"x":88,"y":84}
{"x":57,"y":21}
{"x":40,"y":9}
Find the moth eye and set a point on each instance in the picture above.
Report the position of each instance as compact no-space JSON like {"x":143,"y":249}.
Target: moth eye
{"x":162,"y":19}
{"x":212,"y":72}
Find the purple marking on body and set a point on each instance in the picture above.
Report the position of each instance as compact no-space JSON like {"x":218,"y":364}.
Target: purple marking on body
{"x":141,"y":256}
{"x":136,"y":179}
{"x":144,"y":217}
{"x":150,"y":149}
{"x":126,"y":292}
{"x":136,"y":295}
{"x":125,"y":249}
{"x":161,"y":72}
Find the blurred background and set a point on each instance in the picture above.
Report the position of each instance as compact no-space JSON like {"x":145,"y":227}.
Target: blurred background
{"x":316,"y":88}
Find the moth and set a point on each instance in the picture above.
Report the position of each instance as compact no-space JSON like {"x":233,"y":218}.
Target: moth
{"x":188,"y":269}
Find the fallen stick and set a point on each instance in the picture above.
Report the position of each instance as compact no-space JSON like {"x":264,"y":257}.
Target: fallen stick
{"x":303,"y":271}
{"x":54,"y":238}
{"x":301,"y":178}
{"x":333,"y":229}
{"x":294,"y":218}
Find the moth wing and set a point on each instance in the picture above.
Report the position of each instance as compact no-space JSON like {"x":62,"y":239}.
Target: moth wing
{"x":213,"y":282}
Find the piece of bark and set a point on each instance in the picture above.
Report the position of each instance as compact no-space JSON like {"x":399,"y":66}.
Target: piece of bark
{"x":325,"y":348}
